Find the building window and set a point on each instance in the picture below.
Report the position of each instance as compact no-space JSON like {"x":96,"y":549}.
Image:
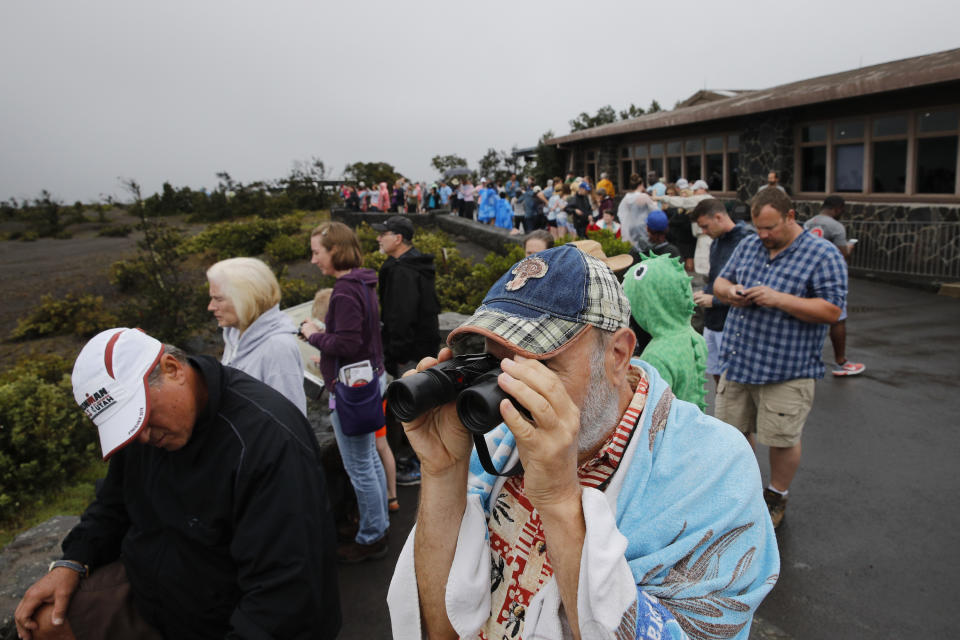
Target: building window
{"x":656,"y":166}
{"x":848,"y":161}
{"x":674,"y":172}
{"x":626,"y":169}
{"x":714,"y":159}
{"x":813,"y":157}
{"x":937,"y":165}
{"x":900,"y":153}
{"x":890,"y":154}
{"x":693,"y":160}
{"x":814,"y":168}
{"x":937,"y":151}
{"x":713,"y":171}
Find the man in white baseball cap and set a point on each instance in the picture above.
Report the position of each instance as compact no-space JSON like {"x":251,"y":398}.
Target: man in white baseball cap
{"x":213,"y":519}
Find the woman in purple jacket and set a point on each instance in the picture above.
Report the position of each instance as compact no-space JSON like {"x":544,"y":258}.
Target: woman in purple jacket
{"x":352,"y":334}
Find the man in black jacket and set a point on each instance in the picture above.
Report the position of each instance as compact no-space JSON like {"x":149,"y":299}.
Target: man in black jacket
{"x":213,"y":520}
{"x":408,"y":298}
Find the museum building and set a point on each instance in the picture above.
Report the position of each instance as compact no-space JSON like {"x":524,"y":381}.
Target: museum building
{"x":885,"y":137}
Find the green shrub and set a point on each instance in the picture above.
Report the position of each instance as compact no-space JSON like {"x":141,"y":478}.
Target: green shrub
{"x":29,"y":236}
{"x":44,"y":436}
{"x":116,"y":231}
{"x":294,"y":291}
{"x":167,"y":298}
{"x":368,"y":238}
{"x":374,"y":260}
{"x":612,"y":246}
{"x":244,"y":238}
{"x":83,"y":316}
{"x":288,"y":248}
{"x":126,"y":275}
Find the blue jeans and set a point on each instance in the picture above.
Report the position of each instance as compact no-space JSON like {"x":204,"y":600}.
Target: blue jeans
{"x":363,"y":465}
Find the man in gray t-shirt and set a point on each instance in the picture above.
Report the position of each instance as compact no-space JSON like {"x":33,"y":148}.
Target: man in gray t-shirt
{"x":825,"y":225}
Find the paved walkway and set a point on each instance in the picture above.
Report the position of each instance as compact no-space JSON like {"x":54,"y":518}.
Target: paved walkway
{"x":872,"y":534}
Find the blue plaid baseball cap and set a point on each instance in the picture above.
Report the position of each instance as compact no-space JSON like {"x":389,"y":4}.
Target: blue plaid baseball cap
{"x":546,"y":300}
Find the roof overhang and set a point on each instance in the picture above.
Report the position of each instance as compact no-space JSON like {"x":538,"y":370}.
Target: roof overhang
{"x":910,"y":73}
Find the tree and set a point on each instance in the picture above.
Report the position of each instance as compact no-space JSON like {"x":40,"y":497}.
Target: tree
{"x":490,"y":164}
{"x":605,"y":115}
{"x":548,"y":162}
{"x":166,"y":298}
{"x":512,"y":161}
{"x":303,"y":185}
{"x":633,"y":111}
{"x":444,"y":163}
{"x":47,"y":211}
{"x":371,"y":173}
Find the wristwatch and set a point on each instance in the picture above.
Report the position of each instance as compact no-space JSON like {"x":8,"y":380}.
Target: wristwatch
{"x":82,"y":569}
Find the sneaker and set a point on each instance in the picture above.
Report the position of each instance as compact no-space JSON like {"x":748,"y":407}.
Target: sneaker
{"x":354,"y":552}
{"x":776,"y":505}
{"x":848,"y":368}
{"x":408,"y":474}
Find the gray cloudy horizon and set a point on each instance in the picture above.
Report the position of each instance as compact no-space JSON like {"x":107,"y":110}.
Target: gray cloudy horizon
{"x":178,"y":91}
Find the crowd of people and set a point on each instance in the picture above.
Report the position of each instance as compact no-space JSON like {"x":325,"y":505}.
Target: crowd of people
{"x":592,"y":510}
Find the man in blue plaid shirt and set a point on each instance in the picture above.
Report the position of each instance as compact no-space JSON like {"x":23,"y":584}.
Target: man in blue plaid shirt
{"x":785,"y":287}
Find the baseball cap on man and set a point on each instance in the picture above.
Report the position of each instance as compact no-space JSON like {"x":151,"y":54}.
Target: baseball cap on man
{"x":546,"y":300}
{"x":683,"y":184}
{"x":110,"y":384}
{"x":657,"y":221}
{"x":700,"y":184}
{"x":399,"y":225}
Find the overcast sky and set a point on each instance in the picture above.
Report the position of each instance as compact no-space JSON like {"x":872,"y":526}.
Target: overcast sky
{"x":178,"y":90}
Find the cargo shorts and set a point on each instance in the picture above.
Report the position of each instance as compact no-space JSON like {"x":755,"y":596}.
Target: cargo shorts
{"x":775,"y":412}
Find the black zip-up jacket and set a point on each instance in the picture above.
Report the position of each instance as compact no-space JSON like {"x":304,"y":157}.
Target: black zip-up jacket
{"x":229,"y":536}
{"x":720,"y":251}
{"x":409,"y":308}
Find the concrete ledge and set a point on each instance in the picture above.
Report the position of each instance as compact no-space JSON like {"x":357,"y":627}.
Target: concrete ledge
{"x":950,"y":289}
{"x":483,"y":235}
{"x":487,"y":236}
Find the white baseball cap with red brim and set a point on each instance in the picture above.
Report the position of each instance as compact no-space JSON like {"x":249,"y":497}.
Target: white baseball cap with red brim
{"x":110,"y":384}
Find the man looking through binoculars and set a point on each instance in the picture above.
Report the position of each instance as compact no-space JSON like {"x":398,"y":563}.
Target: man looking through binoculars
{"x":626,"y":495}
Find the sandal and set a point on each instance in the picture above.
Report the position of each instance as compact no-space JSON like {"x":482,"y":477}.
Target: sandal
{"x":393,"y":505}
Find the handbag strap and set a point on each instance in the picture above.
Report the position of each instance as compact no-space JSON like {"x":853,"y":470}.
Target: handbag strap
{"x":363,"y":303}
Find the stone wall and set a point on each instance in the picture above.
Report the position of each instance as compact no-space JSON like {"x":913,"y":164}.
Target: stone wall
{"x":24,"y":561}
{"x":885,"y":211}
{"x":904,"y":243}
{"x":766,"y":144}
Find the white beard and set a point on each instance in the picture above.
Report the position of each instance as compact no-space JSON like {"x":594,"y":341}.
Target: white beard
{"x":601,"y":410}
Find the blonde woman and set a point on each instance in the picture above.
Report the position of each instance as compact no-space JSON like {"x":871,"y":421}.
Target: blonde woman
{"x":258,"y":338}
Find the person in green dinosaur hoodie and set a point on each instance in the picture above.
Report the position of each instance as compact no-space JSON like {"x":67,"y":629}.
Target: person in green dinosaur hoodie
{"x":661,"y":302}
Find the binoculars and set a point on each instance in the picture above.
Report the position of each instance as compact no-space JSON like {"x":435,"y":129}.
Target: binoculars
{"x":470,"y":379}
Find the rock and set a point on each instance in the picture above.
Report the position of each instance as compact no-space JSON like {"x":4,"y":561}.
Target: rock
{"x":24,"y":561}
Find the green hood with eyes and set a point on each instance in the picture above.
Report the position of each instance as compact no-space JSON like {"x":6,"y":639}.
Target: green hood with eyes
{"x":661,"y":301}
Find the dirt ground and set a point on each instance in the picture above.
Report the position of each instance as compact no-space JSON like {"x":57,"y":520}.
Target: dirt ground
{"x":77,"y":265}
{"x":80,"y":265}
